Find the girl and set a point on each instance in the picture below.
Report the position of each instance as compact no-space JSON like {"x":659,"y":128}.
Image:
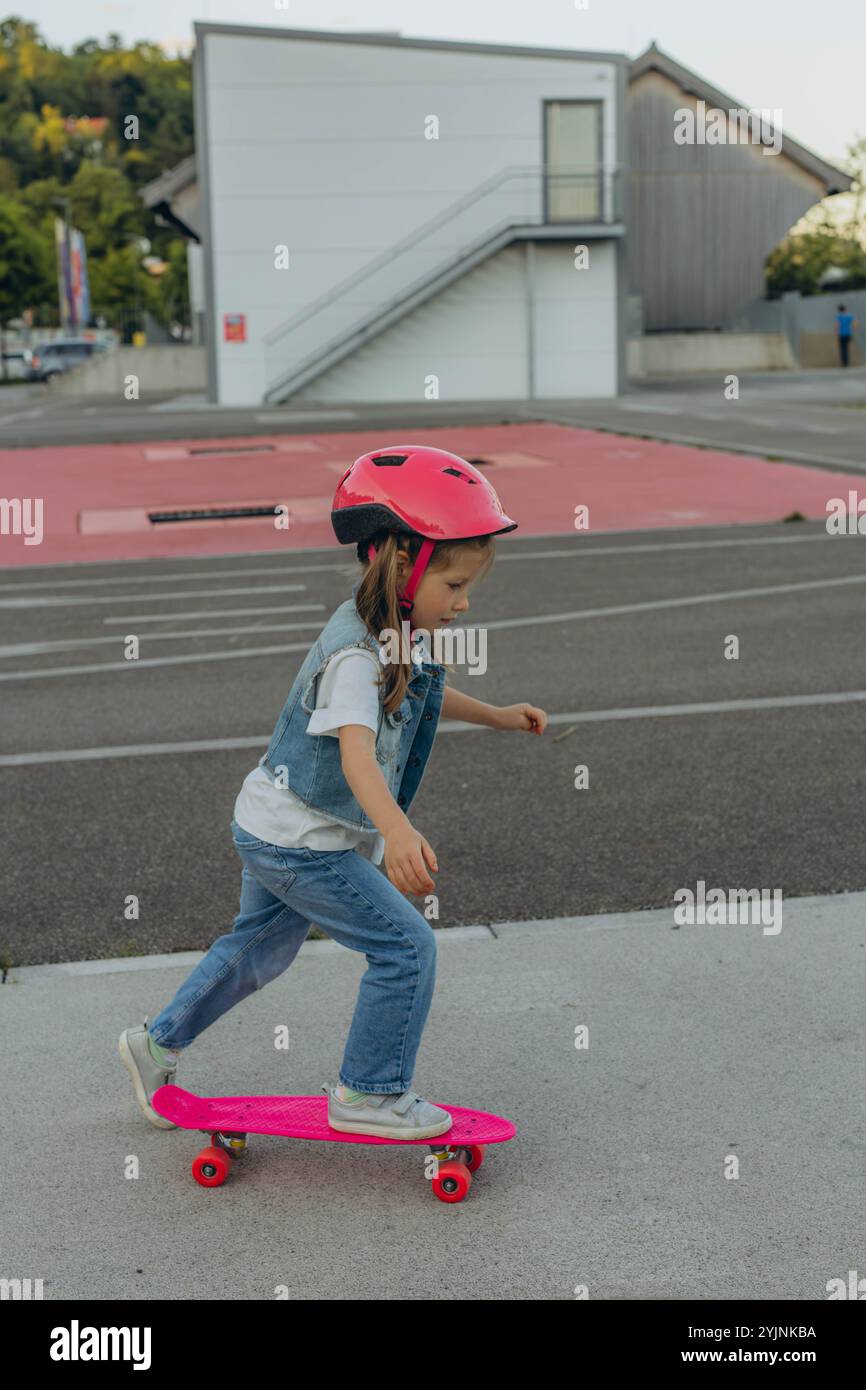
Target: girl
{"x":329,"y":799}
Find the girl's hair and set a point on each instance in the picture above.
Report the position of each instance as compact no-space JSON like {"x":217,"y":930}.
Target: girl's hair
{"x":376,"y":599}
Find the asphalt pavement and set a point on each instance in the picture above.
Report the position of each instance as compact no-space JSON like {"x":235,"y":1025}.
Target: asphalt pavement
{"x":740,"y":770}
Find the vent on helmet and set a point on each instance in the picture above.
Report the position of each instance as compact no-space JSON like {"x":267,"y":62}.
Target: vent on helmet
{"x":389,"y":460}
{"x":457,"y":474}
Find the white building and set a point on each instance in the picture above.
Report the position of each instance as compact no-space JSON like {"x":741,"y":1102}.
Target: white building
{"x":395,"y":219}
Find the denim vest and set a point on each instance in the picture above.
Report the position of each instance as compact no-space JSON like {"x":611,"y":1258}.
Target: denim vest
{"x":310,"y":763}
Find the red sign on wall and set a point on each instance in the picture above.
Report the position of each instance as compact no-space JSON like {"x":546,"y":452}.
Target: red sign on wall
{"x":234,"y":328}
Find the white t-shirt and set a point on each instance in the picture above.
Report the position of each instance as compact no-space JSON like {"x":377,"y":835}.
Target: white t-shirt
{"x":347,"y":694}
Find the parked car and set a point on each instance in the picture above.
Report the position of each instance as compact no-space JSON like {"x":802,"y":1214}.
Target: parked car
{"x":60,"y":355}
{"x":16,"y":363}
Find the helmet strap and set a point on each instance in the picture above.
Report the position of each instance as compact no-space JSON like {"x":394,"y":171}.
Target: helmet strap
{"x":407,"y":599}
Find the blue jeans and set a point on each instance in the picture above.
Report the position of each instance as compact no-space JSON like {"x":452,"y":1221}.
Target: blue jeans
{"x":283,"y":891}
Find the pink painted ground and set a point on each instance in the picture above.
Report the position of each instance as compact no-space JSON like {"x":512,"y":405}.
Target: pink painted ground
{"x":96,"y":497}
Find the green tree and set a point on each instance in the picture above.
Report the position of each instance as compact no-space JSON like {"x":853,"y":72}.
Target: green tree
{"x":833,"y":233}
{"x":64,"y":128}
{"x":799,"y":262}
{"x":172,"y":285}
{"x":855,"y":165}
{"x":25,"y":273}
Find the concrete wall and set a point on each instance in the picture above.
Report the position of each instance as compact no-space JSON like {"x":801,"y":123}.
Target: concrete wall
{"x":822,"y":350}
{"x":320,"y":146}
{"x":660,"y":354}
{"x":522,"y":323}
{"x":168,"y":368}
{"x":816,"y":320}
{"x":809,"y":321}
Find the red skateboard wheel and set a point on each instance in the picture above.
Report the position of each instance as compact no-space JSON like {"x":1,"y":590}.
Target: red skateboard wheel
{"x":211,"y":1167}
{"x":452,"y":1182}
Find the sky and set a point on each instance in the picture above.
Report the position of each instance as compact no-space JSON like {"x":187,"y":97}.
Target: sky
{"x":804,"y":59}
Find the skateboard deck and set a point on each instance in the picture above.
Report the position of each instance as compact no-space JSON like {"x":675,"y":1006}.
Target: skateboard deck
{"x":459,"y":1151}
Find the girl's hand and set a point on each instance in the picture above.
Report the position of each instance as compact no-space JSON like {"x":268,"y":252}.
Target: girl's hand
{"x":407,"y":858}
{"x":522,"y":716}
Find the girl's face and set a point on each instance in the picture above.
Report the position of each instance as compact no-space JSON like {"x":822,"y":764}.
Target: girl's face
{"x":443,"y":594}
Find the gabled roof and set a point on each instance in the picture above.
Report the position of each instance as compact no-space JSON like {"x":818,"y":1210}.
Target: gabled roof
{"x":169,"y":183}
{"x":396,"y":39}
{"x":653,"y":59}
{"x":173,"y":181}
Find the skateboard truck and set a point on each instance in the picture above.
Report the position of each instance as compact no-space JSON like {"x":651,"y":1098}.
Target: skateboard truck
{"x":232,"y":1140}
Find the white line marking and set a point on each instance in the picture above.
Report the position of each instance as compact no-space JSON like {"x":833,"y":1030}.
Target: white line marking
{"x":149,"y":598}
{"x":654,"y":409}
{"x":71,"y":644}
{"x":704,"y":707}
{"x":579,"y":552}
{"x":146,"y":662}
{"x":134,"y":750}
{"x":512,"y":544}
{"x":216,"y":613}
{"x":446,"y":726}
{"x":227,"y":573}
{"x":584,"y":548}
{"x":654,"y":604}
{"x":650,"y":606}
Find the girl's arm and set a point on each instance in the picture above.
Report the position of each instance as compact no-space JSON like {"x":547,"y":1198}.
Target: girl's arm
{"x":456,"y":705}
{"x":529,"y":718}
{"x":409,"y":858}
{"x":366,"y":782}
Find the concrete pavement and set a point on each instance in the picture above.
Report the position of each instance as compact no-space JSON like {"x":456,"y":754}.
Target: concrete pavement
{"x":706,"y":1044}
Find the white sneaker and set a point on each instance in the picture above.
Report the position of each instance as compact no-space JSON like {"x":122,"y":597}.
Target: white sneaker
{"x":394,"y":1116}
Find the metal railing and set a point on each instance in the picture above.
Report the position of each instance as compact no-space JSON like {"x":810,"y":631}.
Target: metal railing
{"x":518,"y":196}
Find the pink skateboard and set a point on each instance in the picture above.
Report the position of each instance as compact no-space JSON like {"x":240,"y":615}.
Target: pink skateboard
{"x":229,"y":1119}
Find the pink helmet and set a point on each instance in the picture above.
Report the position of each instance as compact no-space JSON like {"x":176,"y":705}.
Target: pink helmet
{"x":427,"y":492}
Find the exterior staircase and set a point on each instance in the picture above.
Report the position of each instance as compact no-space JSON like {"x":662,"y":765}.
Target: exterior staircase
{"x":509,"y":206}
